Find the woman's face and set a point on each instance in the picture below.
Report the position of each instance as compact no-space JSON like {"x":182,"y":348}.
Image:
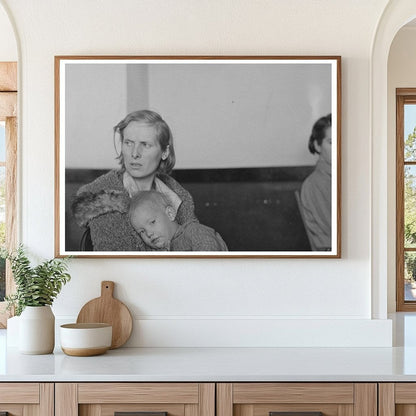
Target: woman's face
{"x":141,"y":150}
{"x":325,"y":149}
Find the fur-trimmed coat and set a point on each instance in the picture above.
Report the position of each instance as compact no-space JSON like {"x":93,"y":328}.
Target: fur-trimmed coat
{"x":102,"y":205}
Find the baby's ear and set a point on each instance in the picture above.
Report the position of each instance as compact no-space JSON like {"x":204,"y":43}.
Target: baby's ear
{"x":170,"y":212}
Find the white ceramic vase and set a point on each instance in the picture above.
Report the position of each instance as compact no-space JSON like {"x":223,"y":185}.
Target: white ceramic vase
{"x":12,"y":334}
{"x":37,"y":330}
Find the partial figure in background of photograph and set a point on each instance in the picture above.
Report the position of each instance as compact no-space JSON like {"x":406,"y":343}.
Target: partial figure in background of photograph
{"x":153,"y":217}
{"x":315,"y":194}
{"x":147,"y":158}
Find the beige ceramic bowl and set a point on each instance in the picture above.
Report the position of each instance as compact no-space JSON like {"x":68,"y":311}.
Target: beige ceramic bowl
{"x":83,"y":340}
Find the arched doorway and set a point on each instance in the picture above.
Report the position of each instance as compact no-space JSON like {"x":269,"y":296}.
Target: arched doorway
{"x":8,"y":150}
{"x":395,"y":16}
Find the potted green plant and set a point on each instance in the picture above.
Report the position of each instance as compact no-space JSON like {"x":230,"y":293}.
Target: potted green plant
{"x":36,"y":289}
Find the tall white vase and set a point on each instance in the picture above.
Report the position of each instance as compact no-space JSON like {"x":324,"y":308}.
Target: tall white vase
{"x":37,"y":330}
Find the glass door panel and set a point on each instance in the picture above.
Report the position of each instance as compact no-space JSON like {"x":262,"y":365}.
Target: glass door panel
{"x":2,"y":207}
{"x":410,"y":206}
{"x":410,"y":276}
{"x":409,"y":133}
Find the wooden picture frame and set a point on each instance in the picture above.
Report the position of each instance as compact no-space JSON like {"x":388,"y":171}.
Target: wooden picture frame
{"x":241,"y":128}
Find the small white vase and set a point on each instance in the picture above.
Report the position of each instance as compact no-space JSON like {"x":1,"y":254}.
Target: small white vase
{"x":37,"y":330}
{"x":12,"y":334}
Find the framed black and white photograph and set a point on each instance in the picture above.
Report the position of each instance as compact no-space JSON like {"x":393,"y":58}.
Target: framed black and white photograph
{"x":198,"y":156}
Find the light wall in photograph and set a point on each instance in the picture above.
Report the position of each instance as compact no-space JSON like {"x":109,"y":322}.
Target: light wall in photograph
{"x":247,"y":115}
{"x":97,"y":97}
{"x":221,"y":115}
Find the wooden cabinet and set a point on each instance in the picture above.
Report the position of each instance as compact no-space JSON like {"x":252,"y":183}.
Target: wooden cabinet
{"x":208,"y":399}
{"x":221,"y":399}
{"x":262,"y":399}
{"x":105,"y":399}
{"x":397,"y":399}
{"x":27,"y":399}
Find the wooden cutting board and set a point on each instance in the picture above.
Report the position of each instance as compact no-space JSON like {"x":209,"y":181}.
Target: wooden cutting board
{"x":108,"y":310}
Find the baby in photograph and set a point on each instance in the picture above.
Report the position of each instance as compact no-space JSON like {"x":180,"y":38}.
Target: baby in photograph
{"x":153,"y":217}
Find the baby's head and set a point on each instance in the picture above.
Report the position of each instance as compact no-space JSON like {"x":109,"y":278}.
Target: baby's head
{"x":153,"y":217}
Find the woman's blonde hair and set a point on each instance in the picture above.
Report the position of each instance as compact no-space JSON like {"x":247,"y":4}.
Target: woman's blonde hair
{"x":163,"y":134}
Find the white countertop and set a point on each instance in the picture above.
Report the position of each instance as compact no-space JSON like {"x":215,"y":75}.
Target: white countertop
{"x":221,"y":364}
{"x":215,"y":364}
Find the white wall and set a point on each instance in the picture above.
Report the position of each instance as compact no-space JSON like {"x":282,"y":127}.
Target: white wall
{"x":401,"y":74}
{"x":203,"y":302}
{"x":8,"y":46}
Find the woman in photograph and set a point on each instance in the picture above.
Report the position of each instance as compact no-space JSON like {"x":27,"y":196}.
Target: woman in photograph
{"x":315,"y":193}
{"x":147,"y":158}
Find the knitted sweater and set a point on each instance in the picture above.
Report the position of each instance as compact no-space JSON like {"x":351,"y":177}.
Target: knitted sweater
{"x":102,"y":205}
{"x":193,"y":236}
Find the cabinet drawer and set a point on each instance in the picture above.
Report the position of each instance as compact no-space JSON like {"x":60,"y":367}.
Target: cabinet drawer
{"x":19,"y":393}
{"x":138,"y":393}
{"x":149,"y":399}
{"x":21,"y":399}
{"x":268,"y":399}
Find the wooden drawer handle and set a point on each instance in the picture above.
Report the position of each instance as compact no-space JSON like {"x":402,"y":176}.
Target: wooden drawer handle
{"x":295,"y":413}
{"x":139,"y":414}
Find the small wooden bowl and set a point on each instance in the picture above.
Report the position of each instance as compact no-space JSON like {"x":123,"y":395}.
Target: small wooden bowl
{"x":84,"y":340}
